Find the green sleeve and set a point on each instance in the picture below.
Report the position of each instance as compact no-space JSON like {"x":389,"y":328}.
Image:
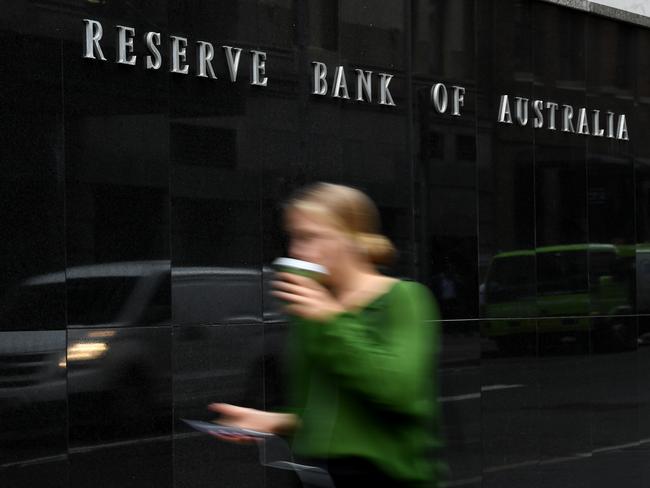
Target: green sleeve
{"x":297,"y":367}
{"x":391,"y":369}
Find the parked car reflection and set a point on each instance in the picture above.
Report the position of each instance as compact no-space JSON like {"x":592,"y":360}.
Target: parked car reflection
{"x":585,"y":291}
{"x":32,"y":395}
{"x":114,"y":366}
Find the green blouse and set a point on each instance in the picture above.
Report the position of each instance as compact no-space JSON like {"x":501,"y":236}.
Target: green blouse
{"x":364,"y":383}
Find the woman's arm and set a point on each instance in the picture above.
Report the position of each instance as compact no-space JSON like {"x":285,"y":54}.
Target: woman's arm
{"x":392,"y":371}
{"x":250,"y":418}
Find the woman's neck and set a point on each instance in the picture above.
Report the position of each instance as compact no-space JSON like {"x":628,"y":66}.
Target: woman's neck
{"x":351,"y":278}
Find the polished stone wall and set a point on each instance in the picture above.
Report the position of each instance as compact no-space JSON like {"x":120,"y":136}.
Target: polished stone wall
{"x":141,"y":210}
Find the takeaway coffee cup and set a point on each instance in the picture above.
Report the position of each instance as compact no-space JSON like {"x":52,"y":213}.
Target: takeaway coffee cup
{"x":303,"y":268}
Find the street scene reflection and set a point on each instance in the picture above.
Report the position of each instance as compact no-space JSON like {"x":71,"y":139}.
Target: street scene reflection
{"x":110,"y":374}
{"x":589,"y":288}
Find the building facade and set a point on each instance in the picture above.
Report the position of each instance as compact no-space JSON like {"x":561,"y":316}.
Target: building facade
{"x":146,"y":148}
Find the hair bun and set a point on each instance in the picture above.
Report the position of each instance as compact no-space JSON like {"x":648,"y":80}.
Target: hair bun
{"x":379,"y":248}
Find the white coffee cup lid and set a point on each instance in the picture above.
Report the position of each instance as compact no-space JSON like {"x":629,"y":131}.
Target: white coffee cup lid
{"x":300,"y":264}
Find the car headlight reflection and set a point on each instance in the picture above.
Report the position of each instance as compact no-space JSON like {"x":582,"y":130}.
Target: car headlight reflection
{"x":85,"y":351}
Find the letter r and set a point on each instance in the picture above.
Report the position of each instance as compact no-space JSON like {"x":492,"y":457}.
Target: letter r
{"x":94,"y":34}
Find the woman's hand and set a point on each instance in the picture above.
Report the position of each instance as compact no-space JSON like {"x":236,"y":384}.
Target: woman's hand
{"x":250,"y":418}
{"x":305,"y":297}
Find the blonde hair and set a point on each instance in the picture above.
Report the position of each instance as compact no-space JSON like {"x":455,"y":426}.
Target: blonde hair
{"x":351,"y":211}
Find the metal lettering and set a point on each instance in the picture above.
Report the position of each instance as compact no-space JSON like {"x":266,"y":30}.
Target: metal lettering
{"x":552,"y":110}
{"x":621,"y":131}
{"x":458,"y":98}
{"x":232,"y":61}
{"x":258,"y":68}
{"x":610,"y":125}
{"x":521,"y":110}
{"x":320,"y":81}
{"x":340,"y":84}
{"x":538,"y":120}
{"x":94,"y":34}
{"x":583,"y":123}
{"x":567,"y":118}
{"x":154,"y":60}
{"x":204,"y":59}
{"x":364,"y":85}
{"x":597,"y":131}
{"x":179,"y":53}
{"x":385,"y":98}
{"x":439,"y":97}
{"x":504,"y":110}
{"x":125,"y":45}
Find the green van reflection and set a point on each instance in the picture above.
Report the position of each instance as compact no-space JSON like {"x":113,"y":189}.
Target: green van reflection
{"x":585,"y":292}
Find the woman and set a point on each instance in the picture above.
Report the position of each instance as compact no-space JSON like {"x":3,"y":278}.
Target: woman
{"x":362,"y":350}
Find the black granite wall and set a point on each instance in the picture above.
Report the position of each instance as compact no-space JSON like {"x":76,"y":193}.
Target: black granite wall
{"x":140,"y":211}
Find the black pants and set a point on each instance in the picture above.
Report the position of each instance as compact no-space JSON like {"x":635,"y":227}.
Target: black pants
{"x":356,"y":472}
